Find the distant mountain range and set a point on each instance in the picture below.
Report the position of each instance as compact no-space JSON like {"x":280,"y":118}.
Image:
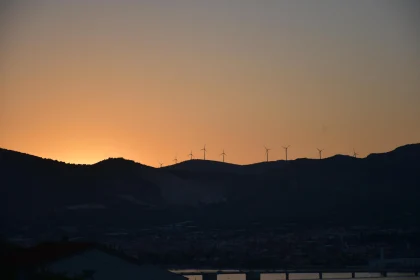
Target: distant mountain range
{"x":380,"y":187}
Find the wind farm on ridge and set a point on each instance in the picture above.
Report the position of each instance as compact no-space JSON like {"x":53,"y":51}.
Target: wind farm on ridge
{"x":267,"y":150}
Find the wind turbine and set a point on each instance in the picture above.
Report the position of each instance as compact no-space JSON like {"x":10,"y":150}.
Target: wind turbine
{"x":160,"y":164}
{"x":175,"y":160}
{"x":191,"y":155}
{"x":204,"y":150}
{"x":266,"y":151}
{"x":320,"y":153}
{"x":354,"y":153}
{"x":285,"y":149}
{"x":223,"y":155}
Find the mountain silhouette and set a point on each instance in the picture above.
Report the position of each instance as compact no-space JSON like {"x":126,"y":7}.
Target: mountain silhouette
{"x":381,"y":188}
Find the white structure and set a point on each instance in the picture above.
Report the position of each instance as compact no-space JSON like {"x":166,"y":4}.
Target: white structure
{"x":94,"y":262}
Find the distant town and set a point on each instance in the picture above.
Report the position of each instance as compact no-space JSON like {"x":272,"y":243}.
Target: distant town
{"x":186,"y":245}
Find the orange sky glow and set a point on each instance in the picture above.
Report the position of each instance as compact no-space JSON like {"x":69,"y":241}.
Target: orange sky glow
{"x":81,"y":81}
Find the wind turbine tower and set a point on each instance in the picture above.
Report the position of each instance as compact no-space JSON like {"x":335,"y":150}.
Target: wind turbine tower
{"x":160,"y":164}
{"x":266,"y":152}
{"x":204,"y":150}
{"x":175,"y":160}
{"x":223,"y":155}
{"x":285,"y":149}
{"x":354,"y":153}
{"x":191,"y":155}
{"x":320,"y":153}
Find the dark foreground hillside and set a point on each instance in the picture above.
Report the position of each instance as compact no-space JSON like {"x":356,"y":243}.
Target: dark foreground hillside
{"x":382,"y":188}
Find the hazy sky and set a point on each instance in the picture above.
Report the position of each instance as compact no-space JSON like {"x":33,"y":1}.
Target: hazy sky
{"x":150,"y":80}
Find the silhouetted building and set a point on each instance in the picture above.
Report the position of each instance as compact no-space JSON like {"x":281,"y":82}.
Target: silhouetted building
{"x":83,"y":259}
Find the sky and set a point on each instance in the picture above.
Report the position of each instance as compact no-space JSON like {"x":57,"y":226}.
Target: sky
{"x":82,"y":81}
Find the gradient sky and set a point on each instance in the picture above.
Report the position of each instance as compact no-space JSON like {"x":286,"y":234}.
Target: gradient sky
{"x":81,"y":81}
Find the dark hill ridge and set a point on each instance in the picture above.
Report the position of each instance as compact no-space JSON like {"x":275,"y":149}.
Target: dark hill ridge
{"x":404,"y":152}
{"x":380,"y":186}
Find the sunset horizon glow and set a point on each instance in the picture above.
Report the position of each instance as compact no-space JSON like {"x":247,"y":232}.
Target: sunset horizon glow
{"x":171,"y":162}
{"x":152,"y":80}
